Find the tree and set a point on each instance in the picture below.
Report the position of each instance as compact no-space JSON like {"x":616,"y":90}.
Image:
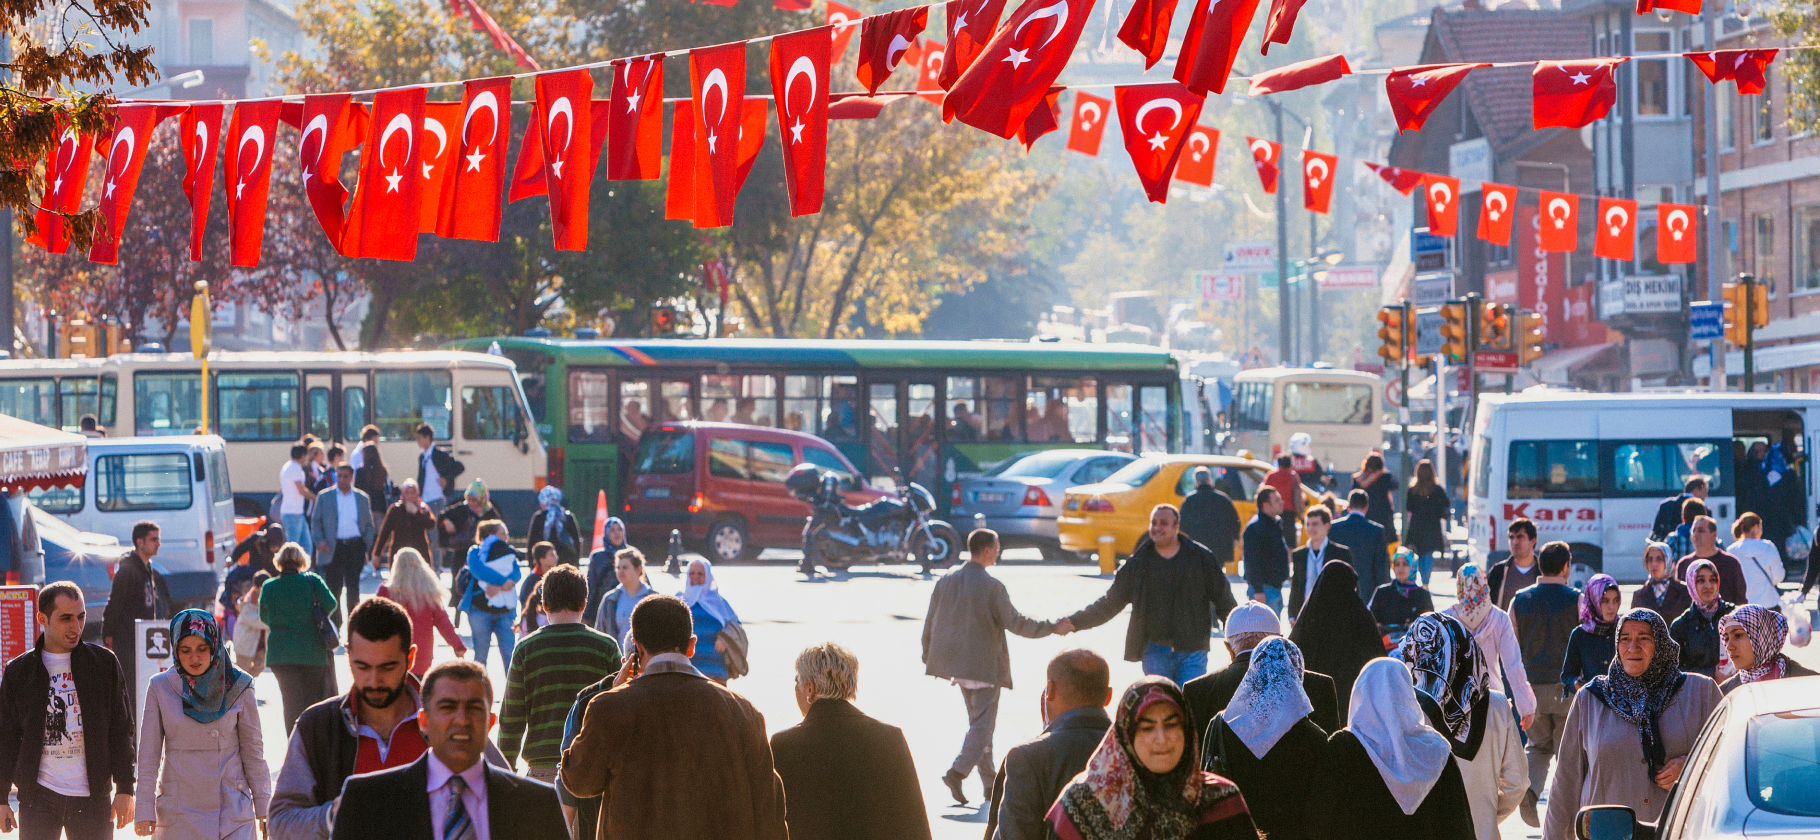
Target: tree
{"x":1800,"y":22}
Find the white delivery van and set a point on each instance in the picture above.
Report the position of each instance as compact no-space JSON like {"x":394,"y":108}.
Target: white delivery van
{"x":1591,"y":469}
{"x":181,"y":483}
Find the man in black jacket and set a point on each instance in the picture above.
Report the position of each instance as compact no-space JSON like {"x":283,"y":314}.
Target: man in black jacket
{"x":66,"y":736}
{"x":1668,"y":514}
{"x":1246,"y":628}
{"x":450,"y":792}
{"x":1306,"y":562}
{"x":1209,"y":518}
{"x":137,"y":593}
{"x":1034,"y":772}
{"x":1267,"y":550}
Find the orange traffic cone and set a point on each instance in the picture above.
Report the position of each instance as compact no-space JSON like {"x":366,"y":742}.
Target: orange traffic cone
{"x":600,"y":521}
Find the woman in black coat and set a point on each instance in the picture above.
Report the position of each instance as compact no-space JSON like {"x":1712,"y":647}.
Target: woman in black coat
{"x":1697,"y":630}
{"x":1399,"y":602}
{"x":1271,"y":715}
{"x":1426,"y":519}
{"x":556,"y":526}
{"x":1336,"y":633}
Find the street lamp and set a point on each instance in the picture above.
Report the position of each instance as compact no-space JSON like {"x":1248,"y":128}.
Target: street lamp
{"x":185,"y":80}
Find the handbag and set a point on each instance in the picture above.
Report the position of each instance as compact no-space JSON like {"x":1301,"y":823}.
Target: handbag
{"x":326,"y":631}
{"x":733,"y":645}
{"x":1213,"y":747}
{"x":1800,"y":543}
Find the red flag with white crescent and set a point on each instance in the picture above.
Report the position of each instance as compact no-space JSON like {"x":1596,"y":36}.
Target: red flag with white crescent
{"x":1212,"y":43}
{"x":1154,"y":120}
{"x":133,"y":125}
{"x":1442,"y":195}
{"x":1675,"y":237}
{"x":635,"y":127}
{"x":470,"y":207}
{"x":1617,"y":230}
{"x":1560,"y":222}
{"x":382,"y":221}
{"x":65,"y":175}
{"x":679,"y":194}
{"x":1497,"y":210}
{"x":331,"y":126}
{"x":247,"y":176}
{"x":1267,"y":157}
{"x":1571,"y":94}
{"x":1198,"y":153}
{"x":799,"y":81}
{"x":929,"y":70}
{"x":846,"y":23}
{"x":1279,"y":23}
{"x":527,"y":171}
{"x":1748,"y":68}
{"x":1415,"y":92}
{"x":1042,"y":120}
{"x":752,"y":116}
{"x":564,"y":118}
{"x":1088,"y":124}
{"x":717,"y":85}
{"x":1012,"y":75}
{"x":1402,"y":180}
{"x":200,"y":133}
{"x":1318,"y":173}
{"x":884,"y":39}
{"x":970,"y":25}
{"x":1146,"y":29}
{"x":441,"y":127}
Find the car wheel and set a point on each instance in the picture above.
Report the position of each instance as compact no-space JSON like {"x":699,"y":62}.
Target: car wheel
{"x":727,"y":541}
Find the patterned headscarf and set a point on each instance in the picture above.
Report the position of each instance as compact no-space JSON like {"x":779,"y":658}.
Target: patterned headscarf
{"x":1592,"y":619}
{"x":1405,"y":587}
{"x":477,"y":489}
{"x":1640,"y":700}
{"x":1693,"y":571}
{"x":554,"y":515}
{"x":1448,"y":667}
{"x":1271,"y":699}
{"x":1767,"y":630}
{"x":1474,"y":596}
{"x":207,"y":696}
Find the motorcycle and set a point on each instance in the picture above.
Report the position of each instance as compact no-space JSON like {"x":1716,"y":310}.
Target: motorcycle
{"x":898,"y":530}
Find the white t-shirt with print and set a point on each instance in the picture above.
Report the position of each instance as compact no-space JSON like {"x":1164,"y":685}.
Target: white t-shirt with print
{"x":63,"y":768}
{"x":288,"y":479}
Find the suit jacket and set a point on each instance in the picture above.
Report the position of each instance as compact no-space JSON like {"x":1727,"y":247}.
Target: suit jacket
{"x":1208,"y":695}
{"x":1668,"y":517}
{"x":325,"y":520}
{"x":847,"y":775}
{"x":395,"y":805}
{"x":1370,"y":552}
{"x":1033,"y":774}
{"x":1298,"y":572}
{"x":964,"y":630}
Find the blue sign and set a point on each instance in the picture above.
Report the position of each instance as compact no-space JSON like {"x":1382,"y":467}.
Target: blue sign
{"x":1423,"y":242}
{"x":1705,"y":320}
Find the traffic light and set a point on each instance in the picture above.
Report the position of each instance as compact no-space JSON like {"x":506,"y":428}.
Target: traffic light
{"x":1532,"y":332}
{"x":1494,"y":326}
{"x":663,"y":320}
{"x":1393,"y":334}
{"x":1737,"y":329}
{"x":1455,"y":331}
{"x":1759,"y":305}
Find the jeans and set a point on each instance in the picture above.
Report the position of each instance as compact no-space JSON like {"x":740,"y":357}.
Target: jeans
{"x":1273,"y":596}
{"x":297,"y":530}
{"x":982,"y":721}
{"x":487,"y":626}
{"x":1425,"y":566}
{"x":45,"y":815}
{"x":1178,"y":665}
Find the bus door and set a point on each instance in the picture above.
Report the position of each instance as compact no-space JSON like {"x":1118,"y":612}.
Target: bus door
{"x":356,"y":409}
{"x":319,"y":408}
{"x":904,"y":443}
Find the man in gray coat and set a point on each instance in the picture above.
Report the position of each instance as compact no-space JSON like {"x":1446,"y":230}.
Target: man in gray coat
{"x":964,"y":641}
{"x":1034,"y":773}
{"x":343,"y":526}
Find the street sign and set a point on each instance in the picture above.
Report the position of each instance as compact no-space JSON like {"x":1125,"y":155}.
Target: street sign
{"x":1428,"y":331}
{"x":1220,"y":288}
{"x":1250,"y":257}
{"x":1268,"y":280}
{"x":1393,"y":392}
{"x":1348,"y":277}
{"x":1705,"y":320}
{"x":1495,"y":361}
{"x":1431,"y":289}
{"x":1429,"y":252}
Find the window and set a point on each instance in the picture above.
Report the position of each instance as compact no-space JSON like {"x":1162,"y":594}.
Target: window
{"x":1064,"y":410}
{"x":1652,"y":73}
{"x":142,"y":482}
{"x":748,"y":400}
{"x":727,"y":458}
{"x":1326,"y":402}
{"x":829,"y":462}
{"x":802,"y":398}
{"x":589,"y":407}
{"x":1728,"y":231}
{"x":1040,"y":465}
{"x":1781,"y":752}
{"x":202,"y":41}
{"x":1763,"y":244}
{"x":1121,"y":419}
{"x":982,"y":408}
{"x":677,"y":403}
{"x":1481,"y":467}
{"x":1807,"y":248}
{"x":1542,"y":469}
{"x":1661,"y":468}
{"x":219,"y":488}
{"x":1250,"y":409}
{"x":57,"y":499}
{"x":166,"y":403}
{"x":316,"y":412}
{"x":771,"y":462}
{"x":1096,"y":470}
{"x":263,"y":406}
{"x":635,"y":410}
{"x":76,"y":398}
{"x":490,"y":412}
{"x":34,"y":400}
{"x":1153,"y":402}
{"x":110,"y":387}
{"x":666,"y":453}
{"x":1763,"y":117}
{"x":841,"y":420}
{"x":1725,"y":98}
{"x":353,"y":411}
{"x":404,"y":398}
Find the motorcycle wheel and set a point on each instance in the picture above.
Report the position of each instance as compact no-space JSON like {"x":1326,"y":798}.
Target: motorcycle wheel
{"x":937,"y":553}
{"x":817,"y":551}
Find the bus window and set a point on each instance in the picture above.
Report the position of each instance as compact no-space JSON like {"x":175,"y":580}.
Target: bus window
{"x":635,"y":408}
{"x":1119,"y":418}
{"x":998,"y":408}
{"x":802,"y":402}
{"x":1063,"y":410}
{"x":34,"y":400}
{"x":166,"y":403}
{"x":490,"y":412}
{"x":1326,"y":402}
{"x":1542,"y":469}
{"x":676,"y":403}
{"x":964,"y":419}
{"x":142,"y":482}
{"x":1153,"y":400}
{"x":353,"y":410}
{"x":1662,"y":467}
{"x":1250,"y":410}
{"x":755,"y":401}
{"x":317,"y":413}
{"x":717,"y":392}
{"x":405,"y":398}
{"x":110,"y":387}
{"x":263,"y":406}
{"x":882,"y":447}
{"x":841,"y":422}
{"x":589,"y":407}
{"x":78,"y":397}
{"x":533,"y":375}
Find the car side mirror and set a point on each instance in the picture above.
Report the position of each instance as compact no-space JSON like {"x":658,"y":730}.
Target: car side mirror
{"x":1610,"y":822}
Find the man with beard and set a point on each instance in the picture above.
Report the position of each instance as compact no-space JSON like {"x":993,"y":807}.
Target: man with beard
{"x":373,"y":727}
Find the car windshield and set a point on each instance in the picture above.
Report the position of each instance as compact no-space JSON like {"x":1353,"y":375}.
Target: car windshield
{"x":1136,"y":473}
{"x":1782,"y":762}
{"x":1041,"y":465}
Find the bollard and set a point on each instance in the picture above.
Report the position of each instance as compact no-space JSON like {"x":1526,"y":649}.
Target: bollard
{"x":676,"y":549}
{"x":1109,"y":558}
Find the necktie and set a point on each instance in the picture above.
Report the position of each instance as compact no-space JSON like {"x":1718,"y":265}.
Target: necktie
{"x":457,"y":825}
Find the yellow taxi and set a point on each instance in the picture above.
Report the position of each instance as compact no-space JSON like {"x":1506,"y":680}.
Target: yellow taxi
{"x":1119,"y":507}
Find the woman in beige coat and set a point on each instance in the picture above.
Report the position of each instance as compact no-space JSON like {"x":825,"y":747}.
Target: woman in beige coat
{"x":201,"y":727}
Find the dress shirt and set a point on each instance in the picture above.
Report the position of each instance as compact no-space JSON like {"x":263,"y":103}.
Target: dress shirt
{"x":1316,"y":557}
{"x":474,"y":798}
{"x":432,"y":480}
{"x":347,"y":515}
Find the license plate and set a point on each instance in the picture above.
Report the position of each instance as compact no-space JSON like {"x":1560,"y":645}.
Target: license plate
{"x":992,"y":498}
{"x":657,"y":492}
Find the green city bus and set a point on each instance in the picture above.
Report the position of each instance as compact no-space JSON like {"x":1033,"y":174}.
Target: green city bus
{"x":934,"y":409}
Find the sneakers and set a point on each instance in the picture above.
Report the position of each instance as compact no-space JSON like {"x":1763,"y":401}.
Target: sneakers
{"x":953,"y":781}
{"x":1528,"y":809}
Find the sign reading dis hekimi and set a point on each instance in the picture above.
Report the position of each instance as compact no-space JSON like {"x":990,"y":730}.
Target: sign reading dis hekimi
{"x":1250,"y":257}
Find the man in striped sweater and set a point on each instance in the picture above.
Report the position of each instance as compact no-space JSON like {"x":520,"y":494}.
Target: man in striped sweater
{"x":548,"y":668}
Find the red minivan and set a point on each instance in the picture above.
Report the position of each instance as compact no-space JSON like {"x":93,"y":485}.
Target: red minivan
{"x":722,"y":486}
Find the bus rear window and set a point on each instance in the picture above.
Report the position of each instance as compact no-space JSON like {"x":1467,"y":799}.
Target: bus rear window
{"x":665,"y":453}
{"x":1326,"y":402}
{"x":1542,"y":469}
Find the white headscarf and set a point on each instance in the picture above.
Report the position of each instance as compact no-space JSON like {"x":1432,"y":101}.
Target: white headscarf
{"x":708,"y":596}
{"x":1408,"y":752}
{"x":1270,"y":700}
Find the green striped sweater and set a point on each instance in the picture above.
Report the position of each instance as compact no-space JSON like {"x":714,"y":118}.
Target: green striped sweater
{"x":549,"y":667}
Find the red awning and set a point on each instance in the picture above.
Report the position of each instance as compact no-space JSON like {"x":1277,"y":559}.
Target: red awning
{"x":34,"y":457}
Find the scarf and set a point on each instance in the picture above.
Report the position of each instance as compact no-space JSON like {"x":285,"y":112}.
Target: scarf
{"x":1658,"y":586}
{"x":1693,"y":570}
{"x":1408,"y":587}
{"x":207,"y":696}
{"x":1592,"y":619}
{"x":477,"y":490}
{"x":1270,"y":700}
{"x":1474,"y":596}
{"x":1640,"y":700}
{"x":1409,"y":754}
{"x":1448,"y":667}
{"x":554,"y":516}
{"x":708,"y":597}
{"x":1767,"y":630}
{"x":606,"y":534}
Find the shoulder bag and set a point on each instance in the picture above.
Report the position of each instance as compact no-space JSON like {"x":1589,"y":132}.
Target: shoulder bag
{"x":326,"y":631}
{"x":1213,"y":747}
{"x":733,"y":646}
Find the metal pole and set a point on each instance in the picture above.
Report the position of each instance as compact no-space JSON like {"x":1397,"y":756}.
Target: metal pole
{"x":1285,"y":322}
{"x":1409,"y":334}
{"x":1715,"y":242}
{"x":8,"y":295}
{"x":1440,"y":439}
{"x":1314,"y":295}
{"x":1749,"y":283}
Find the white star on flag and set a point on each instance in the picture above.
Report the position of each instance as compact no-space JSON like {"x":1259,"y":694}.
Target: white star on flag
{"x":1156,"y":140}
{"x":391,"y":181}
{"x":110,"y":189}
{"x":1581,"y":78}
{"x":796,"y":131}
{"x":632,"y":102}
{"x":1018,"y":57}
{"x":557,"y":167}
{"x":475,"y":159}
{"x":711,"y":139}
{"x":1418,"y":82}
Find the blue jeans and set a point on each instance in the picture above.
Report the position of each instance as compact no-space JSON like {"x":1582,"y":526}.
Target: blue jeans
{"x":297,"y":530}
{"x":1425,"y":567}
{"x":1178,"y":665}
{"x":1273,"y":596}
{"x":485,"y":626}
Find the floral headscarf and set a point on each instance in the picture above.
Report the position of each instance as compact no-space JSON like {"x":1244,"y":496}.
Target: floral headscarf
{"x":1767,"y":630}
{"x":207,"y":696}
{"x":477,"y":490}
{"x":1592,"y":619}
{"x":1640,"y":700}
{"x":550,"y":498}
{"x":1474,"y":596}
{"x":1693,"y":571}
{"x":1448,"y":667}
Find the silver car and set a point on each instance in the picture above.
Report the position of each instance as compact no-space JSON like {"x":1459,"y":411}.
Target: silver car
{"x":1753,"y":772}
{"x":1021,"y":497}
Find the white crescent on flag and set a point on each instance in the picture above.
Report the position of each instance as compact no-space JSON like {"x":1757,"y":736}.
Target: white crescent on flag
{"x":1175,"y":110}
{"x":1059,"y":11}
{"x":898,"y":44}
{"x":125,"y":134}
{"x":1090,"y":114}
{"x":485,"y":101}
{"x":1314,"y":180}
{"x":434,"y":127}
{"x":715,"y":79}
{"x":400,"y":122}
{"x":802,"y":66}
{"x":320,"y":122}
{"x":202,"y":146}
{"x":1678,"y":216}
{"x":1496,"y":204}
{"x":1565,"y":208}
{"x":1623,"y":218}
{"x":1440,"y":195}
{"x":1263,"y":146}
{"x":1198,"y":144}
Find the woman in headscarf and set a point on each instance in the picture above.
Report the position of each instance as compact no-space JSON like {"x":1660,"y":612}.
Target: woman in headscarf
{"x":712,"y":615}
{"x":1454,"y":691}
{"x":1697,"y":630}
{"x":1668,"y":597}
{"x":1591,"y":646}
{"x":556,"y":526}
{"x":601,"y":565}
{"x":614,"y":616}
{"x":1497,"y":637}
{"x":1397,"y":603}
{"x":1336,"y":633}
{"x":199,"y":738}
{"x":1389,"y":775}
{"x":1144,"y":779}
{"x":461,"y":524}
{"x":1266,"y":742}
{"x":1753,"y":638}
{"x":1629,"y":731}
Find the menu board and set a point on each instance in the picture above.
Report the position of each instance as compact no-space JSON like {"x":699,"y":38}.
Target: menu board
{"x":18,"y":620}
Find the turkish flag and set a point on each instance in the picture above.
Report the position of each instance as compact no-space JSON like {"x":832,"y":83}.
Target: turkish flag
{"x":441,"y":122}
{"x":1279,"y":23}
{"x":1415,"y":92}
{"x":1318,"y":173}
{"x":247,"y":176}
{"x":858,"y":106}
{"x":1675,"y":239}
{"x":331,"y":126}
{"x":679,"y":192}
{"x":567,"y":152}
{"x":717,"y":84}
{"x":884,"y":39}
{"x":65,"y":175}
{"x":1088,"y":124}
{"x":200,"y":133}
{"x":383,"y":220}
{"x":1402,"y":180}
{"x":1013,"y":73}
{"x":1443,"y":196}
{"x":1560,"y":221}
{"x":799,"y":82}
{"x":635,"y":125}
{"x":1042,"y":120}
{"x":913,"y":54}
{"x":751,"y":137}
{"x":792,"y":5}
{"x":1212,"y":43}
{"x":1748,"y":68}
{"x":970,"y":25}
{"x":1198,"y":153}
{"x":1617,"y":230}
{"x":1314,"y":71}
{"x":1691,"y":7}
{"x":470,"y":198}
{"x":1571,"y":94}
{"x":1146,"y":29}
{"x":1154,"y":120}
{"x":1497,"y":209}
{"x":527,"y":173}
{"x":133,"y":126}
{"x":1267,"y":157}
{"x":929,"y":70}
{"x":844,"y":21}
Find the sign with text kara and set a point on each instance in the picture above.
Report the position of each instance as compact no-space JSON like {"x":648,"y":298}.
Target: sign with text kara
{"x":1250,"y":257}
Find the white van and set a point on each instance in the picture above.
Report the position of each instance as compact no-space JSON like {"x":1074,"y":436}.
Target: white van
{"x":181,"y":483}
{"x":1591,"y":469}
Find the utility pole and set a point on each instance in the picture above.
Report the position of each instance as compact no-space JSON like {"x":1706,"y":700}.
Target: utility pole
{"x":1715,"y":242}
{"x":1285,"y":324}
{"x":8,"y":299}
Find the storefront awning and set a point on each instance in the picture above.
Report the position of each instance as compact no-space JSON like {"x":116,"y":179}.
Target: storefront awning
{"x":34,"y":457}
{"x":1782,"y":357}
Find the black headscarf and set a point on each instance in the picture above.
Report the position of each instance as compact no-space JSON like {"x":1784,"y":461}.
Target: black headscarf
{"x":1640,"y":700}
{"x":1335,"y":631}
{"x":1448,"y":667}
